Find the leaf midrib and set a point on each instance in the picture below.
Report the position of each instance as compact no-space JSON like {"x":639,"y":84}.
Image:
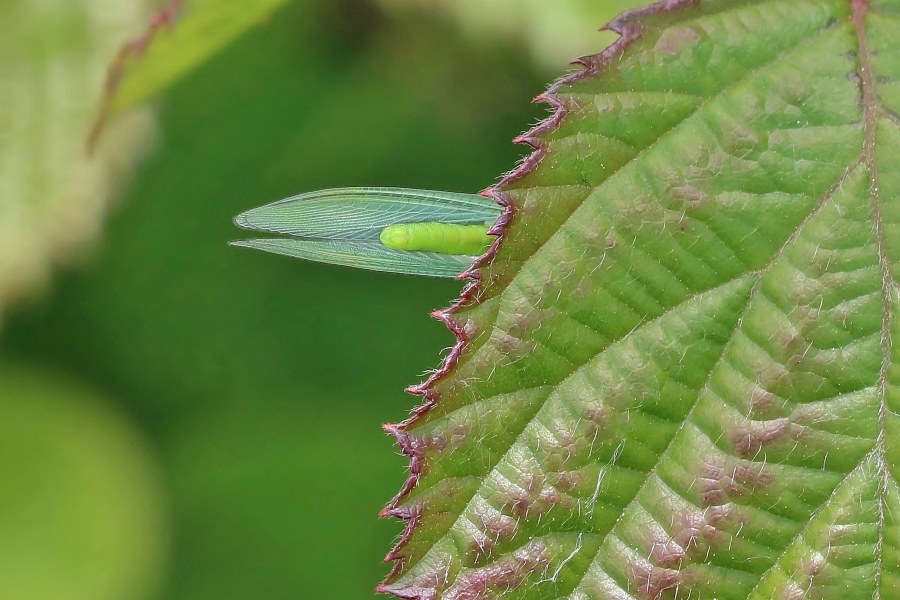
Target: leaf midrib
{"x":872,"y":113}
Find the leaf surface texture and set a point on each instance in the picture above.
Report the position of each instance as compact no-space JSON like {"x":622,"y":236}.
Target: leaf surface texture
{"x":677,"y":377}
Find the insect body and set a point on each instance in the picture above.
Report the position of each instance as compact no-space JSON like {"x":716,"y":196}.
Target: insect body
{"x":437,"y":237}
{"x":417,"y":232}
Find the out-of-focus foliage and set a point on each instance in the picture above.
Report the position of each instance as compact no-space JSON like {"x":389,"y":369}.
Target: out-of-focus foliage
{"x":261,"y":381}
{"x":53,"y":57}
{"x":81,"y":509}
{"x":180,"y":36}
{"x":555,"y":32}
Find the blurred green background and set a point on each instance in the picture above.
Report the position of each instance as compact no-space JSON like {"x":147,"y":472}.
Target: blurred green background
{"x":184,"y":420}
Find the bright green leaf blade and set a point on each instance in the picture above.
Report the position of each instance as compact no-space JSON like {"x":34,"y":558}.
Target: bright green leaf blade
{"x":364,"y":255}
{"x":362,"y":213}
{"x":678,"y":377}
{"x":179,"y":38}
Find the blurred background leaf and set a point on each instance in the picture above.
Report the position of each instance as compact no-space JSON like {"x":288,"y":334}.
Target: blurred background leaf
{"x":259,"y":382}
{"x":81,"y":506}
{"x":179,"y":37}
{"x":53,"y":56}
{"x":553,"y":33}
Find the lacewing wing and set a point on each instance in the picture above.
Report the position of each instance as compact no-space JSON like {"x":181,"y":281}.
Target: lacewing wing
{"x":416,"y":232}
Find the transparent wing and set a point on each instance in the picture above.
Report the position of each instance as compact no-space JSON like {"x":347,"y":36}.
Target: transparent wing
{"x":365,"y":255}
{"x":361,"y":213}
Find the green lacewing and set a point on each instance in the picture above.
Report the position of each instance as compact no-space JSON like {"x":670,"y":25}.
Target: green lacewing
{"x":417,"y":232}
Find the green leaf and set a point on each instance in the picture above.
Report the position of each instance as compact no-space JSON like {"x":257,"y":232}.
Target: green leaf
{"x":53,"y":197}
{"x":679,"y":377}
{"x":179,"y":37}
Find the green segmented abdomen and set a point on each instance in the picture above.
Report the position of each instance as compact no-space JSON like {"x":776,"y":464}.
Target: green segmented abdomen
{"x":445,"y":238}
